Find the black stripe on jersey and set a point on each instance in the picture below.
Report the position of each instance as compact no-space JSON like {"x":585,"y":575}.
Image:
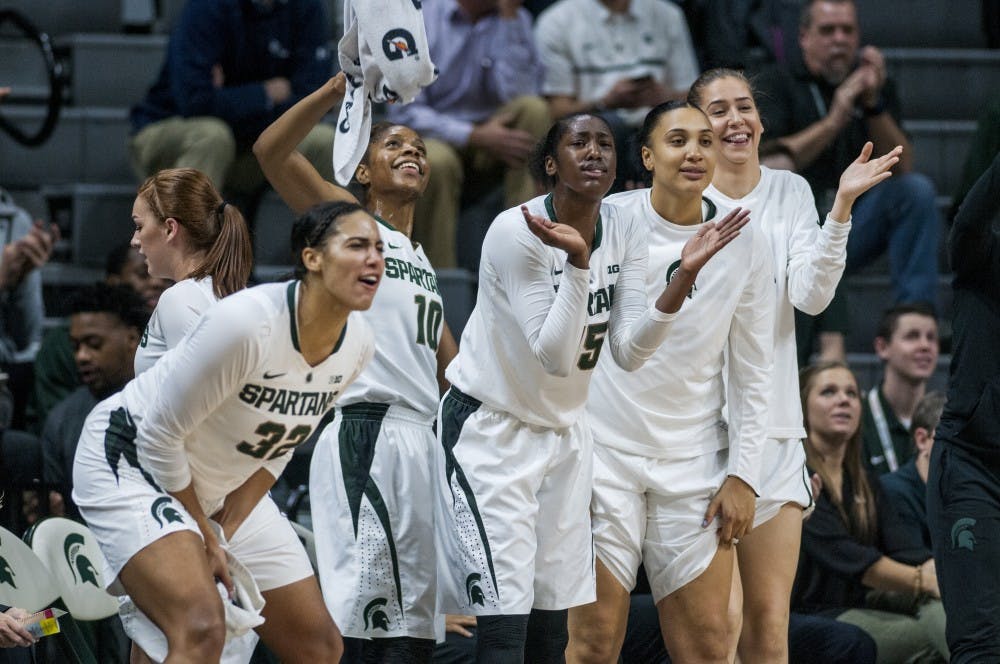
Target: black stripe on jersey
{"x":292,"y":314}
{"x":119,"y":441}
{"x":359,"y":429}
{"x":455,"y":409}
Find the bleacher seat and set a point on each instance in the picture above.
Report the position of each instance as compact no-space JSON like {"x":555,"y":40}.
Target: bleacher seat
{"x":94,"y":217}
{"x":964,"y":81}
{"x":112,"y":70}
{"x":939,"y":148}
{"x":921,"y":23}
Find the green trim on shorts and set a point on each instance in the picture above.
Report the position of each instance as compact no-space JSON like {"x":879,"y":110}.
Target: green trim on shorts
{"x":119,"y":441}
{"x":358,"y":433}
{"x":455,"y":410}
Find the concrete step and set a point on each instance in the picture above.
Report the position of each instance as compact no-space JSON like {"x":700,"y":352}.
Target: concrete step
{"x":112,"y":70}
{"x":922,"y":23}
{"x":94,"y":218}
{"x":60,"y":281}
{"x":23,"y":69}
{"x":964,"y":81}
{"x":88,"y":145}
{"x":59,"y":17}
{"x":940,"y":148}
{"x":868,"y":295}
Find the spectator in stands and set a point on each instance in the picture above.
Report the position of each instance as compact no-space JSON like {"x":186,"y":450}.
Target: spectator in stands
{"x":480,"y":119}
{"x":963,"y":504}
{"x":818,"y":113}
{"x":106,"y":323}
{"x":615,"y":58}
{"x":232,"y":67}
{"x":905,"y":489}
{"x":55,"y":369}
{"x":749,"y":34}
{"x":907,"y":343}
{"x":851,"y":543}
{"x":27,"y":246}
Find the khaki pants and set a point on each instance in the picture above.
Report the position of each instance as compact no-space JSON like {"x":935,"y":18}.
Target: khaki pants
{"x":904,"y":638}
{"x":476,"y":171}
{"x":207,"y":143}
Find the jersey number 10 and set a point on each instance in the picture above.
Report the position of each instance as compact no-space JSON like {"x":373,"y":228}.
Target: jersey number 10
{"x":429,"y":316}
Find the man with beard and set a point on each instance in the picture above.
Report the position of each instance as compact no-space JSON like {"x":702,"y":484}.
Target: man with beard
{"x":106,"y":323}
{"x":819,"y":113}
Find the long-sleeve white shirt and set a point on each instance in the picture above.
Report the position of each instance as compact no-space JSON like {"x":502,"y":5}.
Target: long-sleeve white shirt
{"x":236,"y":395}
{"x":808,"y":263}
{"x":540,"y":324}
{"x":176,"y":314}
{"x":672,"y":406}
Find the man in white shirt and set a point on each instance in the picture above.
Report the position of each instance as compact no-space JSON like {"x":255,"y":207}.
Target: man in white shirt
{"x":618,"y":58}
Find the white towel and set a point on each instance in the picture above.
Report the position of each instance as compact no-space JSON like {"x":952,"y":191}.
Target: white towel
{"x":385,"y":58}
{"x":242,"y":615}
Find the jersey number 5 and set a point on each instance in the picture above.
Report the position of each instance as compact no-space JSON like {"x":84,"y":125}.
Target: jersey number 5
{"x":429,"y":315}
{"x":274,"y":442}
{"x":592,"y":344}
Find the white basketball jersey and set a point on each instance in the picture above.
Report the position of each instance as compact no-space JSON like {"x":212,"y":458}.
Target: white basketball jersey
{"x":407,"y":317}
{"x":237,"y":394}
{"x":672,"y":406}
{"x":496,"y":363}
{"x":176,"y":313}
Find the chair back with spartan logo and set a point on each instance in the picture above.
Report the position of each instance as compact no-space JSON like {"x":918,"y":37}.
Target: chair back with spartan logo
{"x":25,"y":582}
{"x":75,"y":564}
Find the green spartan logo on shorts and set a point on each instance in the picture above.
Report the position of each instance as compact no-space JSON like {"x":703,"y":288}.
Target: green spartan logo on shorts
{"x":83,"y":569}
{"x":962,"y":536}
{"x":474,"y":591}
{"x":375,"y":616}
{"x":164,"y":512}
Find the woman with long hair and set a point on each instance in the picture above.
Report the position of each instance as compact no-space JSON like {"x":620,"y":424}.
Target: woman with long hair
{"x":673,"y":488}
{"x":189,"y":234}
{"x":374,"y":531}
{"x":845,"y":570}
{"x":179,"y":462}
{"x":808,"y":260}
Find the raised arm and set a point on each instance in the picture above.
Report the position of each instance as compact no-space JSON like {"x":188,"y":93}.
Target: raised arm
{"x":637,"y":330}
{"x":295,"y":179}
{"x":552,"y":321}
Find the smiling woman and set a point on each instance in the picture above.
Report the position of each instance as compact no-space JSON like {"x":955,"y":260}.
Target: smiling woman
{"x":212,"y":425}
{"x":673,"y":489}
{"x":371,"y":475}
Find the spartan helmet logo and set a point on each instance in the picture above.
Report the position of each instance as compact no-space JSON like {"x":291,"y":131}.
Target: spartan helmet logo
{"x":375,"y":616}
{"x":398,"y":44}
{"x":672,"y":270}
{"x":164,"y":512}
{"x":962,"y":536}
{"x":473,"y":590}
{"x":83,"y":569}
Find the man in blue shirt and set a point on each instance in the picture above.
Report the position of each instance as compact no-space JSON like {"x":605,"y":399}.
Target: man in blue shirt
{"x":232,"y":67}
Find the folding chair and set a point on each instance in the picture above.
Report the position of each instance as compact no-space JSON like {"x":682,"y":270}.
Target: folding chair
{"x":70,"y":552}
{"x":27,"y":583}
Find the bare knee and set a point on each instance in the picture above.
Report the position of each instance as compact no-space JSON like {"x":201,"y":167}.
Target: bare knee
{"x":199,"y":635}
{"x":593,"y":639}
{"x":765,"y":637}
{"x":324,"y":645}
